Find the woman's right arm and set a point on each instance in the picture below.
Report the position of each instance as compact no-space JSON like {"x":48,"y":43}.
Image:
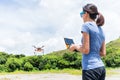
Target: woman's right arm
{"x":103,"y":49}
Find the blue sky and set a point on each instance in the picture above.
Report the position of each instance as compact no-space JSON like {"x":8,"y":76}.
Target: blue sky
{"x":24,"y":23}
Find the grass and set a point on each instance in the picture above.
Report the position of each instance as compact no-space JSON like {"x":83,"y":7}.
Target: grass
{"x":5,"y":79}
{"x":68,"y":71}
{"x":110,"y":71}
{"x":113,"y":71}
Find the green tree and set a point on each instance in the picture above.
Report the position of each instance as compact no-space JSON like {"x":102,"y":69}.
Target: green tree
{"x":28,"y":66}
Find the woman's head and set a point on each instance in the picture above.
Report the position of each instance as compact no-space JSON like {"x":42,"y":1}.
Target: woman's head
{"x":92,"y":11}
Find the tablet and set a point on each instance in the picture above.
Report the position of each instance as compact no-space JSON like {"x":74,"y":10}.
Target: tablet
{"x":68,"y":42}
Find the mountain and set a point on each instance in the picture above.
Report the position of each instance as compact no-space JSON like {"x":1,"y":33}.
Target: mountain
{"x":62,"y":52}
{"x":114,"y":44}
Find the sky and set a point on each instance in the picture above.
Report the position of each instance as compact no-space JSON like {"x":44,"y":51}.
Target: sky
{"x":24,"y":23}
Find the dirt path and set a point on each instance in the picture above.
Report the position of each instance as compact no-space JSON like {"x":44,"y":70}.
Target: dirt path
{"x":48,"y":76}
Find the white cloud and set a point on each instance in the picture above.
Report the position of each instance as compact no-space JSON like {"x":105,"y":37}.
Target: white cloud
{"x":2,"y":49}
{"x":111,"y":27}
{"x":53,"y":44}
{"x":24,"y":23}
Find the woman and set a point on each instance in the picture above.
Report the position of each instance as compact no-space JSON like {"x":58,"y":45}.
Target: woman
{"x":93,"y":44}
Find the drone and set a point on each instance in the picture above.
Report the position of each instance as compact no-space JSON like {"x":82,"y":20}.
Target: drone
{"x":38,"y":49}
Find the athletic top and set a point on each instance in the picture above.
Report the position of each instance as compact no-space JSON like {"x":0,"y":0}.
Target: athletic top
{"x":92,"y":59}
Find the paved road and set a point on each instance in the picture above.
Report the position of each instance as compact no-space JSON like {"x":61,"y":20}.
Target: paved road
{"x":48,"y":76}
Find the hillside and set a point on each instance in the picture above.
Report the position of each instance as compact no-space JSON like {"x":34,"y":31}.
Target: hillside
{"x":61,"y":52}
{"x":115,"y":43}
{"x":112,"y":45}
{"x":112,"y":58}
{"x":56,"y":60}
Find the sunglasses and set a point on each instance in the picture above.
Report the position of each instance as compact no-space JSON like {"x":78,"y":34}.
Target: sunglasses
{"x":81,"y":13}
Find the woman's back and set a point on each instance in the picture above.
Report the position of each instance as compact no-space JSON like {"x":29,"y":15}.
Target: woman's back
{"x":92,"y":59}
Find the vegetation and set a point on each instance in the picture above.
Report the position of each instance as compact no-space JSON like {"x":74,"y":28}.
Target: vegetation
{"x":58,"y":60}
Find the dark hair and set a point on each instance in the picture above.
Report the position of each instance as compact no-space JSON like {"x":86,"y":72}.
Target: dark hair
{"x":92,"y":10}
{"x":100,"y":20}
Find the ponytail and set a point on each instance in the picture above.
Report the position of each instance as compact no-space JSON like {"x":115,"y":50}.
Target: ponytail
{"x":100,"y":20}
{"x":92,"y":10}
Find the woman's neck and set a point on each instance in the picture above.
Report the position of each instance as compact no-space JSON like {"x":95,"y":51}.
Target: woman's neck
{"x":89,"y":20}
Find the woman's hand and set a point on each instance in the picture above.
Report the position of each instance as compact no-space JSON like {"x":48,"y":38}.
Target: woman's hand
{"x":72,"y":47}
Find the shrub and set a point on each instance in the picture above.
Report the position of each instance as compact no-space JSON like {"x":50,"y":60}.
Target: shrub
{"x":12,"y":64}
{"x":3,"y":60}
{"x":28,"y":66}
{"x":49,"y":62}
{"x":63,"y":64}
{"x":70,"y":56}
{"x":113,"y":60}
{"x":19,"y":55}
{"x":2,"y":68}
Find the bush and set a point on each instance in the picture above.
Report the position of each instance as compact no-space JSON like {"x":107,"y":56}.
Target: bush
{"x":28,"y":66}
{"x":63,"y":64}
{"x":49,"y":62}
{"x":41,"y":65}
{"x":19,"y":55}
{"x":78,"y":63}
{"x":73,"y":59}
{"x":58,"y":60}
{"x":2,"y":68}
{"x":70,"y":56}
{"x":3,"y":60}
{"x":13,"y":64}
{"x":113,"y":60}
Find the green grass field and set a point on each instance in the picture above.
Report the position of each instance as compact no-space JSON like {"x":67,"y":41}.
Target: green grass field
{"x":110,"y":71}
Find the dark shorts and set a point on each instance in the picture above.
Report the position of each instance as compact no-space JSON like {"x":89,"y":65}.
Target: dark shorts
{"x":94,"y":74}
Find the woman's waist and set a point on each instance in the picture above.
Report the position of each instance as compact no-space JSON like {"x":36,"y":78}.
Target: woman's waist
{"x":92,"y":54}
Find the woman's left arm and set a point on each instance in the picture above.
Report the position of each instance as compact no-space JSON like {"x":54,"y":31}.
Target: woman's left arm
{"x":103,"y":49}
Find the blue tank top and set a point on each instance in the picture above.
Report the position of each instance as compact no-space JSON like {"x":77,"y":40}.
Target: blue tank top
{"x":93,"y":59}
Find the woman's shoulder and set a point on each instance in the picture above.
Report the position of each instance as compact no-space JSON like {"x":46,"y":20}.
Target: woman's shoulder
{"x":89,"y":24}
